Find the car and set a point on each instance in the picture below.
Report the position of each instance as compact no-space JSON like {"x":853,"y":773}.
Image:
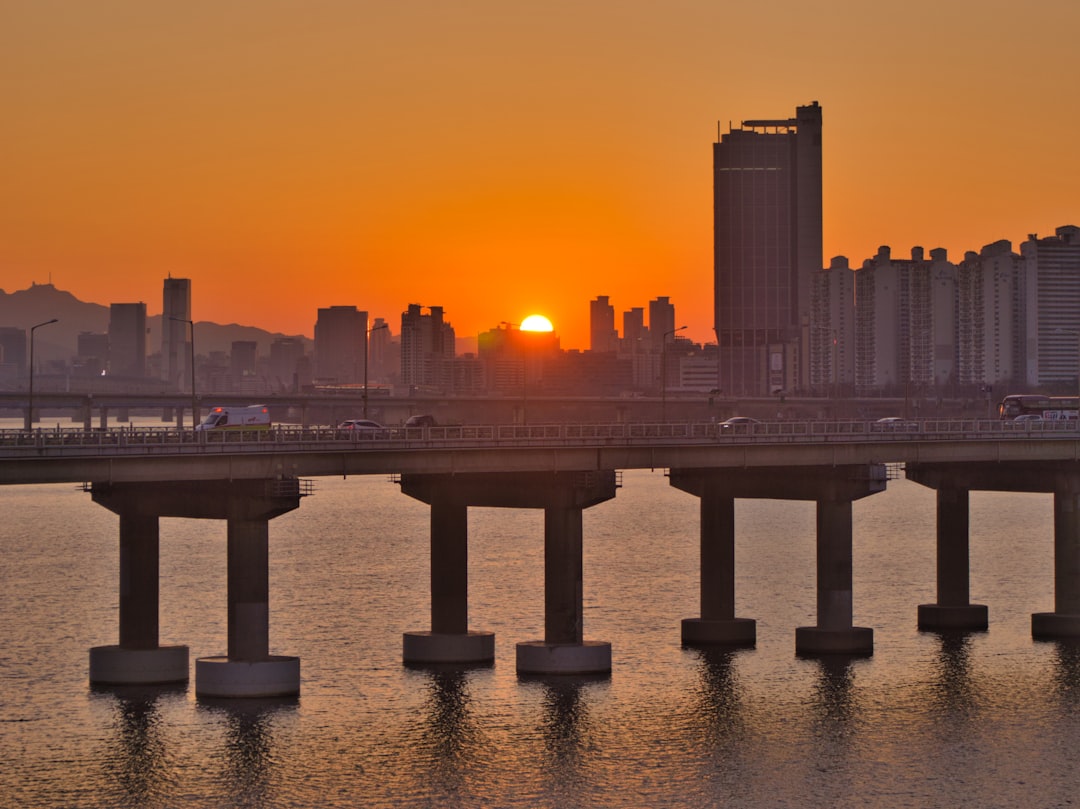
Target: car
{"x":1025,"y":421}
{"x":365,"y":428}
{"x":420,"y":420}
{"x":741,"y":424}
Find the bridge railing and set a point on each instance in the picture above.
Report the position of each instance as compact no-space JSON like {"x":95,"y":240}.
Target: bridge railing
{"x":165,"y":440}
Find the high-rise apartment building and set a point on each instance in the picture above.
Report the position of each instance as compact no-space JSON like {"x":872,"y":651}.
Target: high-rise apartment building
{"x":832,"y":329}
{"x":661,"y":322}
{"x":767,"y":247}
{"x":427,"y":348}
{"x":602,"y":334}
{"x":340,"y":342}
{"x":634,"y":331}
{"x":905,"y":322}
{"x":1052,"y":302}
{"x":990,"y":317}
{"x":127,"y":340}
{"x":175,"y":348}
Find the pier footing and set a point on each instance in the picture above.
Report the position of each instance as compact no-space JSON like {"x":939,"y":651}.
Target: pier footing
{"x":974,"y":617}
{"x":420,"y":648}
{"x":115,"y":665}
{"x":811,"y":641}
{"x":277,"y":676}
{"x":1052,"y":625}
{"x":727,"y":632}
{"x":588,"y":657}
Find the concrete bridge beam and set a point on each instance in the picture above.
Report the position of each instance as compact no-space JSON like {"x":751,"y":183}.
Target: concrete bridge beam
{"x":1064,"y":621}
{"x":953,"y":610}
{"x":138,"y":659}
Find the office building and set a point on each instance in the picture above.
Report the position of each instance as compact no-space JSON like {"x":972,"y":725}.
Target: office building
{"x":13,"y":348}
{"x":175,"y":334}
{"x":287,"y":359}
{"x":340,"y":342}
{"x":767,"y":248}
{"x":242,"y":374}
{"x":127,"y":340}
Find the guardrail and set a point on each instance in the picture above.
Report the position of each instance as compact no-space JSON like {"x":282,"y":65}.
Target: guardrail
{"x":163,"y":440}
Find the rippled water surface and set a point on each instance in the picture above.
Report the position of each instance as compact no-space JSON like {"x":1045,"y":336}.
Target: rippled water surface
{"x":982,"y":720}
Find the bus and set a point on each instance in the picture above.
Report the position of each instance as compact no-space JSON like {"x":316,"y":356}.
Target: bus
{"x":1051,"y":408}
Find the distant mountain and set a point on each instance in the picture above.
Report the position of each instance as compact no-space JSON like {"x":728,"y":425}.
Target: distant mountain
{"x":59,"y":341}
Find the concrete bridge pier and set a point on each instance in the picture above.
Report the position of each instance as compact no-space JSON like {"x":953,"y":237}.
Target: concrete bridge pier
{"x":450,"y":640}
{"x":953,"y":610}
{"x":834,"y":488}
{"x":1064,"y":621}
{"x":138,"y":659}
{"x":834,"y":633}
{"x":563,"y":496}
{"x":248,"y":669}
{"x":717,"y":624}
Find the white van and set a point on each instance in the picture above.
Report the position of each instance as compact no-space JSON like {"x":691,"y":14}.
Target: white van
{"x":252,"y":417}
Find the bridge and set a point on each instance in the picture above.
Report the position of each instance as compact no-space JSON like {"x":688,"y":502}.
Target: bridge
{"x":248,"y":478}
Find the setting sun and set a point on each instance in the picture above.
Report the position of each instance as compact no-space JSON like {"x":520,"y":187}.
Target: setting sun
{"x":536,"y":323}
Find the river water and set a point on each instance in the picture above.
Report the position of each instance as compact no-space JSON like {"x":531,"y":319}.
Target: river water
{"x":982,"y":720}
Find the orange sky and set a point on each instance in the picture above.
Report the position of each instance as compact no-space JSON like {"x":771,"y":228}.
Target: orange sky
{"x":502,"y":158}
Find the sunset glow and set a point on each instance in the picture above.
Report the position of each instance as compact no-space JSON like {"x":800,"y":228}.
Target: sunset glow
{"x":495,"y":157}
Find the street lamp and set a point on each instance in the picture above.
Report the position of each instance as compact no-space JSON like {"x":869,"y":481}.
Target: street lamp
{"x":367,"y":335}
{"x":30,"y":403}
{"x":663,"y":372}
{"x":194,"y":401}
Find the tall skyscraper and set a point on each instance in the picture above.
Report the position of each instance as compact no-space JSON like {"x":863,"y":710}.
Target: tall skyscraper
{"x":127,"y":340}
{"x":175,"y":348}
{"x":340,"y":341}
{"x":767,"y":246}
{"x":602,"y":334}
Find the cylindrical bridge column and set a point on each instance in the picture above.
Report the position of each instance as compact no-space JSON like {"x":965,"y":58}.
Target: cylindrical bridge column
{"x":834,"y":633}
{"x":249,"y":589}
{"x":1064,"y":621}
{"x":718,"y":623}
{"x":138,"y":660}
{"x":449,"y":640}
{"x":953,"y":610}
{"x":563,"y":649}
{"x":249,"y":670}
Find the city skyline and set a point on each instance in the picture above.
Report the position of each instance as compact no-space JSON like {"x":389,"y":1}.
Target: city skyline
{"x":503,"y":160}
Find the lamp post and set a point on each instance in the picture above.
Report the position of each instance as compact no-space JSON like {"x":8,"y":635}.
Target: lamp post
{"x":663,"y":372}
{"x":30,"y":402}
{"x":367,"y":335}
{"x":194,"y":401}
